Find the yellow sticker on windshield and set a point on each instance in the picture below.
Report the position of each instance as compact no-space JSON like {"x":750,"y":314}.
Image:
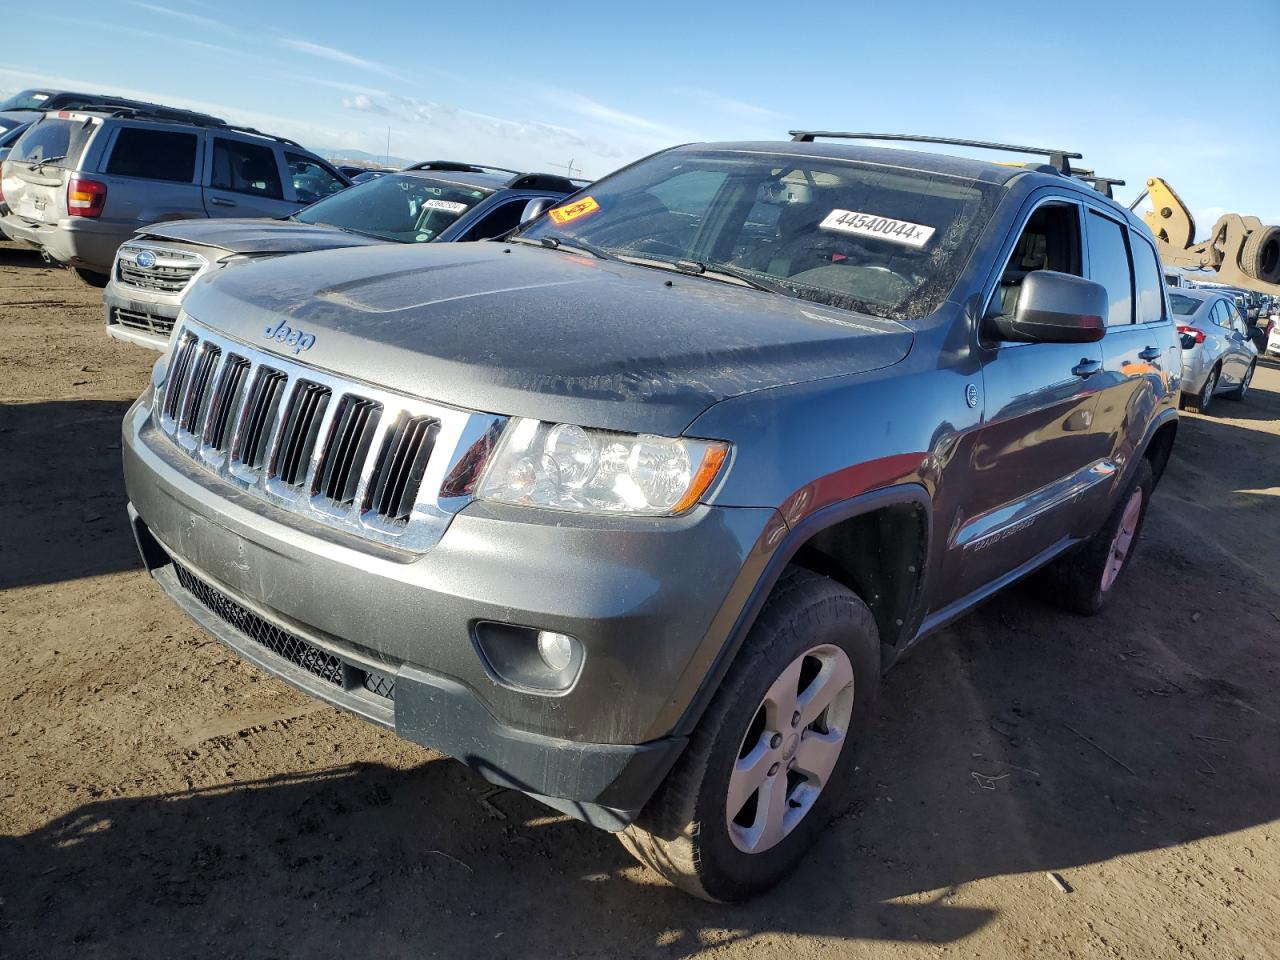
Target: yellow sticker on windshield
{"x":573,"y":211}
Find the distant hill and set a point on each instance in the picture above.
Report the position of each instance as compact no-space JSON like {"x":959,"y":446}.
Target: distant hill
{"x":361,"y":158}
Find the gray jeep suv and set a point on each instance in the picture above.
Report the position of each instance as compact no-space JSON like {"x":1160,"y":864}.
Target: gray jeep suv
{"x":79,"y":183}
{"x":631,"y":511}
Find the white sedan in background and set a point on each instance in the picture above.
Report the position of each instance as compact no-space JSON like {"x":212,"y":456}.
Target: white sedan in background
{"x":1217,"y":355}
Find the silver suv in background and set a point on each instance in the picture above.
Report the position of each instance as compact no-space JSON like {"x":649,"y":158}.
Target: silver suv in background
{"x":77,"y":184}
{"x":438,"y":201}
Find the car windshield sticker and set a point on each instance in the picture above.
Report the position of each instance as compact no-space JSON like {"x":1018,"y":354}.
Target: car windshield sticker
{"x":448,"y":206}
{"x":882,"y":228}
{"x":573,"y":211}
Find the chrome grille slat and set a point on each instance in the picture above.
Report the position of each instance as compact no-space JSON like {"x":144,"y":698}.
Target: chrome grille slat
{"x":173,"y":271}
{"x":273,"y":427}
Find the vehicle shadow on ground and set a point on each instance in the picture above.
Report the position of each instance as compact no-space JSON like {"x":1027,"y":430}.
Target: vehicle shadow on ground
{"x":62,"y":515}
{"x":12,"y":255}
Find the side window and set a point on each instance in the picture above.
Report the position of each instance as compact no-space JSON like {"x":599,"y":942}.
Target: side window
{"x":312,"y":181}
{"x":1149,"y":281}
{"x":245,"y":168}
{"x":1221,"y":314}
{"x":1109,"y":266}
{"x":1049,"y":241}
{"x":154,"y":154}
{"x":498,"y":221}
{"x":689,"y":193}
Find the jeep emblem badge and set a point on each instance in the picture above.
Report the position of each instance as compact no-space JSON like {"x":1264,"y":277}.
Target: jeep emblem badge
{"x":971,"y":394}
{"x":290,"y":337}
{"x":146,"y":259}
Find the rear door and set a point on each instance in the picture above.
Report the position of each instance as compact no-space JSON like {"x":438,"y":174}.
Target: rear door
{"x":1139,"y":350}
{"x":36,"y":172}
{"x":151,"y":173}
{"x":1241,"y":357}
{"x":244,"y":178}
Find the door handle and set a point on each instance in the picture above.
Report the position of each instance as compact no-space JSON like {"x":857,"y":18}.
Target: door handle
{"x":220,"y":202}
{"x":1086,"y":368}
{"x":1150,"y":354}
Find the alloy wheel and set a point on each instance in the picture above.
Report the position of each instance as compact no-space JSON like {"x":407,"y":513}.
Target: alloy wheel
{"x":1122,"y":542}
{"x":790,"y":748}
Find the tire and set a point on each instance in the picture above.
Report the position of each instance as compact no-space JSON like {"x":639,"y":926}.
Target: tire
{"x":1084,"y":580}
{"x":685,"y":831}
{"x":1260,"y":255}
{"x":1200,"y":402}
{"x":90,"y":278}
{"x":1240,"y":392}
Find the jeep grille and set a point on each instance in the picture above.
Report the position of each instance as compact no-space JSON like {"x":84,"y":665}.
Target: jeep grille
{"x":342,"y":453}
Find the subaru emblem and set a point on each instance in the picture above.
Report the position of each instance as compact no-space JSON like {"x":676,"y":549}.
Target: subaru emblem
{"x":146,"y":260}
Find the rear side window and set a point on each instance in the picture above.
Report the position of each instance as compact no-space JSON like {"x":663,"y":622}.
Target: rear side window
{"x":1149,"y":280}
{"x":245,"y":168}
{"x":1109,"y":266}
{"x":1221,"y":316}
{"x":154,"y":155}
{"x":55,"y":142}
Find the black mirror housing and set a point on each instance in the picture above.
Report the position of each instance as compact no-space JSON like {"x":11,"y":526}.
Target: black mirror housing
{"x":1055,"y":308}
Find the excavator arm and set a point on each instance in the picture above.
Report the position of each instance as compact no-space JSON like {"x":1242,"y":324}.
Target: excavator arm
{"x":1243,"y":251}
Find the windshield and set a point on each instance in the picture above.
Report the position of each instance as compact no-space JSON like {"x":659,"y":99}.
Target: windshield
{"x":404,"y":207}
{"x":26,"y":100}
{"x":1184,"y":306}
{"x":54,"y":142}
{"x":888,"y":241}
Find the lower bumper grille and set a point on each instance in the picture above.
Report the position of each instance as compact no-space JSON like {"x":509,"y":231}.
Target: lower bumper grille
{"x":301,"y":653}
{"x":145,"y":322}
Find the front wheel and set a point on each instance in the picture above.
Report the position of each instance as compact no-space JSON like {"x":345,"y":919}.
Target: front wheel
{"x":768,"y":762}
{"x":1240,"y":392}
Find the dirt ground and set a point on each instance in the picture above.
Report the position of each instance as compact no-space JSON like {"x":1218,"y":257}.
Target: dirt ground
{"x":159,"y":798}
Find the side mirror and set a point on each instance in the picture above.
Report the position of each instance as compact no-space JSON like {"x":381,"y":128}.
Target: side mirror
{"x":1055,"y":308}
{"x":534,"y":208}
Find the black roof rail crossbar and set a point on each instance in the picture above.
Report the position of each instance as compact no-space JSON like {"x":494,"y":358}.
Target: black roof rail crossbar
{"x":543,"y":181}
{"x":458,"y":166}
{"x":1060,"y":159}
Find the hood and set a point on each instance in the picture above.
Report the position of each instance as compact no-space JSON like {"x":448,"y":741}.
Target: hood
{"x":540,"y":333}
{"x":257,"y":236}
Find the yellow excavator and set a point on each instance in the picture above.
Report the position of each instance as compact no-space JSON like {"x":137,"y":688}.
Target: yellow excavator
{"x":1243,"y":251}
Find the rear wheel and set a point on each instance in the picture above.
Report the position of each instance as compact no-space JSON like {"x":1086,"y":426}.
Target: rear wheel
{"x":767,"y":764}
{"x":1085,"y":579}
{"x":1240,"y":392}
{"x":1200,"y":402}
{"x":91,"y":278}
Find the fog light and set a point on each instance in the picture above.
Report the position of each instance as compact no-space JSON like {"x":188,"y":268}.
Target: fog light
{"x":556,"y":650}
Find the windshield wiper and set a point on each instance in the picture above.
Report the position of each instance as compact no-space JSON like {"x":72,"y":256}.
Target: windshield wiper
{"x":554,"y":243}
{"x":39,"y":164}
{"x":729,"y":274}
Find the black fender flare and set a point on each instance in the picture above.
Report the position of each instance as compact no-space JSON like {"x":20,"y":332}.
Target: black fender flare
{"x":913,"y":494}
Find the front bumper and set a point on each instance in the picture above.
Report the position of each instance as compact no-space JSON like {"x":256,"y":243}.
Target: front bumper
{"x":82,"y":242}
{"x":651,"y":601}
{"x":147,"y":323}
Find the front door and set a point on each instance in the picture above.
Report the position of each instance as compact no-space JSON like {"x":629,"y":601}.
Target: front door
{"x":244,"y":180}
{"x":1038,"y":462}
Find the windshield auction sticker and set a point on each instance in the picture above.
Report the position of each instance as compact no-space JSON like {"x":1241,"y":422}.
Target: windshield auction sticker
{"x":573,"y":211}
{"x":448,"y":206}
{"x":881,"y":228}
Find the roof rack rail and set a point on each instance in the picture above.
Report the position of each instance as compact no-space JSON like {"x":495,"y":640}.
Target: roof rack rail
{"x":543,"y":181}
{"x":458,"y":166}
{"x":171,"y":115}
{"x":1102,"y":184}
{"x":1060,"y":159}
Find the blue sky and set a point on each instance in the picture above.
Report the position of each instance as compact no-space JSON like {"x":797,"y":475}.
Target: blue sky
{"x":532,"y":85}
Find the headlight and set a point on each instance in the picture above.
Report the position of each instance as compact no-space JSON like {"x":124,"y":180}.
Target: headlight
{"x":568,"y":467}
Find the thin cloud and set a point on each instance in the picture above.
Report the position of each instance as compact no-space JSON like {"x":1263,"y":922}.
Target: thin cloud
{"x":193,"y":18}
{"x":338,"y":56}
{"x":586,"y":107}
{"x":728,"y":105}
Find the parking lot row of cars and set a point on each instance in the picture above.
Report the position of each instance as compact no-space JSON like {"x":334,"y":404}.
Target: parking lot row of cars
{"x":631,"y":510}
